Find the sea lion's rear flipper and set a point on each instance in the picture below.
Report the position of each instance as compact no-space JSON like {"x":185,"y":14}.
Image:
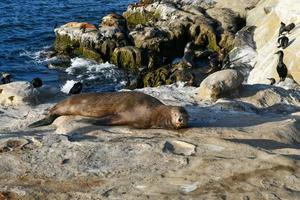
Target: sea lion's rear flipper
{"x":44,"y":122}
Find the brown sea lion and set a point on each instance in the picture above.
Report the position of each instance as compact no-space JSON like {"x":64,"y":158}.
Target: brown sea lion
{"x":114,"y":20}
{"x":135,"y":109}
{"x":81,"y":25}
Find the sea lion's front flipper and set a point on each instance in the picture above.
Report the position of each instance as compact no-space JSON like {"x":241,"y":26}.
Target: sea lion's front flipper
{"x":114,"y":119}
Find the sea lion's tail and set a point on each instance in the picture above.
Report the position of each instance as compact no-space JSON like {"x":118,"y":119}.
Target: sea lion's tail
{"x":44,"y":122}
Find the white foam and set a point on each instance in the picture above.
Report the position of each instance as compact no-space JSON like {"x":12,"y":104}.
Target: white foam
{"x":37,"y":56}
{"x":67,"y":86}
{"x":103,"y":74}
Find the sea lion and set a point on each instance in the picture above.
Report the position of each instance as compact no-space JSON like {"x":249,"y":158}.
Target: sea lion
{"x":76,"y":89}
{"x":36,"y":82}
{"x":135,"y":109}
{"x":116,"y":21}
{"x":283,"y":42}
{"x":81,"y":25}
{"x":281,"y":67}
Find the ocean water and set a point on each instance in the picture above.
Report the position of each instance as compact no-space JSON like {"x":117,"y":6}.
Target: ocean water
{"x":26,"y":33}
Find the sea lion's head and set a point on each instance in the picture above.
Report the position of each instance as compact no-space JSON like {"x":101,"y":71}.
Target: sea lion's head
{"x":179,"y":117}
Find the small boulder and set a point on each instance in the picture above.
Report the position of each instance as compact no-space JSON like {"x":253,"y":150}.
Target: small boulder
{"x":220,"y":83}
{"x":16,"y":93}
{"x":179,"y":148}
{"x":22,"y":93}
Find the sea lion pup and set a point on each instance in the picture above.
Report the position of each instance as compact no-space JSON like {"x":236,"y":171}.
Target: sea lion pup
{"x":76,"y":89}
{"x":283,"y":42}
{"x":135,"y":109}
{"x":281,"y":67}
{"x":272,"y":81}
{"x":283,"y":28}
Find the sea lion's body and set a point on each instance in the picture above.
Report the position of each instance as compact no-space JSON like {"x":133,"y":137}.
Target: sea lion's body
{"x":120,"y":108}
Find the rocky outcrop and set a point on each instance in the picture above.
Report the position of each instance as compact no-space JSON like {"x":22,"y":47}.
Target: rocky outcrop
{"x":266,"y":16}
{"x":22,"y":93}
{"x":256,"y":153}
{"x":73,"y":39}
{"x":157,"y":32}
{"x":220,"y":83}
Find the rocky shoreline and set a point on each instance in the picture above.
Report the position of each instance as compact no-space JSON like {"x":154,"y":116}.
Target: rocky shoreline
{"x":150,"y":35}
{"x":242,"y":140}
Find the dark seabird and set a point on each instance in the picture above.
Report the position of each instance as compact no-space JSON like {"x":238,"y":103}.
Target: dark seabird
{"x":76,"y":89}
{"x":283,"y":42}
{"x":281,"y":67}
{"x":6,"y":78}
{"x":283,"y":28}
{"x":273,"y":81}
{"x":36,"y":82}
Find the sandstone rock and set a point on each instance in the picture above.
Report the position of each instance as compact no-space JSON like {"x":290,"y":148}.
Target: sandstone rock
{"x":262,"y":96}
{"x":239,"y":6}
{"x":220,"y":83}
{"x":266,"y":35}
{"x":21,"y":93}
{"x":128,"y":57}
{"x":230,"y":20}
{"x":17,"y":93}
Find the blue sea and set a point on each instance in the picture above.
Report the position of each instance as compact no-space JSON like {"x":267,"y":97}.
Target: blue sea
{"x":26,"y":34}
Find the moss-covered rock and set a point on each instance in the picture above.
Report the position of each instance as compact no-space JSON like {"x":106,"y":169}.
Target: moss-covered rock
{"x":72,"y":47}
{"x":65,"y":45}
{"x":107,"y":48}
{"x":157,"y":77}
{"x":88,"y":53}
{"x":127,"y":57}
{"x":138,"y":17}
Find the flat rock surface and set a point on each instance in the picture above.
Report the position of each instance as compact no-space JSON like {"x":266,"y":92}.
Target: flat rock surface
{"x":225,"y":153}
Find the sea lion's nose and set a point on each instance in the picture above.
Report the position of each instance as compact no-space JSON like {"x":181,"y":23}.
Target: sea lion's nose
{"x":180,"y":119}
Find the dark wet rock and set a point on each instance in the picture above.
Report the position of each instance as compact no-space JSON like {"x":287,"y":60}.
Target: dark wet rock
{"x":128,"y":57}
{"x":156,"y":78}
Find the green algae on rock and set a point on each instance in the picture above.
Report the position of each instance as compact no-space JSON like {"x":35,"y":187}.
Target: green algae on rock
{"x":128,"y":57}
